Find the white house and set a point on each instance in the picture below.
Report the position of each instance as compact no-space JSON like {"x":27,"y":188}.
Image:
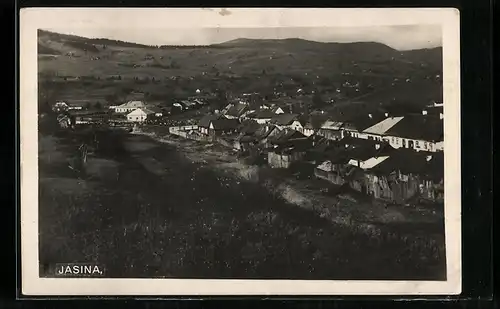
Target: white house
{"x":308,"y":129}
{"x":188,"y":104}
{"x":287,"y":121}
{"x":331,"y":130}
{"x":417,"y":132}
{"x":278,"y":110}
{"x":129,"y":106}
{"x":378,"y":130}
{"x":139,"y":115}
{"x":297,"y":126}
{"x":60,"y":106}
{"x":368,"y":163}
{"x":356,"y":126}
{"x":178,"y":105}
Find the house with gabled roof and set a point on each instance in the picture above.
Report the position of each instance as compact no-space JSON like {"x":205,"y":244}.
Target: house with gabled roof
{"x":262,"y":116}
{"x":417,"y":132}
{"x":288,"y":146}
{"x":140,"y":114}
{"x":308,"y":129}
{"x":245,"y":138}
{"x":344,"y":161}
{"x":236,"y":111}
{"x":397,"y":180}
{"x":222,"y":126}
{"x":60,"y":106}
{"x":64,"y":121}
{"x":129,"y":106}
{"x":355,"y":126}
{"x":277,"y":110}
{"x":286,"y":120}
{"x":331,"y":130}
{"x":379,"y":129}
{"x":204,"y":123}
{"x":188,"y":104}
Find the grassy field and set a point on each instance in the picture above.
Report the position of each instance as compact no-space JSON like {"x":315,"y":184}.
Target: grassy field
{"x":185,"y":219}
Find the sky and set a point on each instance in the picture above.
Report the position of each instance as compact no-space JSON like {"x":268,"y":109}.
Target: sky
{"x":404,"y":37}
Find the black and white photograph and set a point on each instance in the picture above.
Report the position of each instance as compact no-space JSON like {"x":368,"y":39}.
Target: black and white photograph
{"x":240,"y":151}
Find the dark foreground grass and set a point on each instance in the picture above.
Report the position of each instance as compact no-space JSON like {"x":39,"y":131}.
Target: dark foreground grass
{"x":142,"y":210}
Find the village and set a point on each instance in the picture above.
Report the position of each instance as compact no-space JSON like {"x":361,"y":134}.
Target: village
{"x":392,"y":156}
{"x":250,"y":158}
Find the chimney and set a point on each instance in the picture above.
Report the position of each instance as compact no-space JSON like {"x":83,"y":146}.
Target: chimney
{"x":441,"y":116}
{"x":370,"y":116}
{"x":386,"y":115}
{"x":428,"y":158}
{"x":377,"y":146}
{"x":424,"y":112}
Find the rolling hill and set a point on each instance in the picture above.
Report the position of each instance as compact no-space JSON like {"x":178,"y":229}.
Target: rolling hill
{"x":245,"y":65}
{"x":245,"y":55}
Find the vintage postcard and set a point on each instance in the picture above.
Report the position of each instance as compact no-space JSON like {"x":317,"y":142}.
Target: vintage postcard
{"x":239,"y":151}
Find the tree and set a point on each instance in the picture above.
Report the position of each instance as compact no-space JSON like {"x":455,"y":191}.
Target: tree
{"x":221,"y":100}
{"x":111,"y":98}
{"x":317,"y":100}
{"x":317,"y":121}
{"x":45,"y":107}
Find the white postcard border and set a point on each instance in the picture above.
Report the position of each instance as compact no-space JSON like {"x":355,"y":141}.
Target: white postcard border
{"x":32,"y":19}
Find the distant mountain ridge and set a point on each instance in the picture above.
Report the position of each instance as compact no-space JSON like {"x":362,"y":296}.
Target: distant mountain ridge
{"x":75,"y":38}
{"x":296,"y":41}
{"x":239,"y":42}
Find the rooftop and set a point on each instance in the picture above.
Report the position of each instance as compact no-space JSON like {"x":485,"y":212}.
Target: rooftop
{"x":419,"y":127}
{"x":384,"y":125}
{"x":236,"y":110}
{"x":361,"y":123}
{"x":132,"y":104}
{"x":206,"y":120}
{"x":285,"y":135}
{"x":225,"y":124}
{"x":284,"y":119}
{"x":363,"y":149}
{"x":332,"y":125}
{"x":264,"y":114}
{"x":426,"y":164}
{"x":249,"y":127}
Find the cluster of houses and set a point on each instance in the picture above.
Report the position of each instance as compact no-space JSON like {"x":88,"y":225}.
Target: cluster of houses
{"x":137,"y":111}
{"x":129,"y":113}
{"x":394,"y":157}
{"x":390,"y":157}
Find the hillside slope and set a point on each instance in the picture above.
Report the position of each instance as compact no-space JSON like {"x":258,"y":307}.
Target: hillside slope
{"x":246,"y":55}
{"x":247,"y":65}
